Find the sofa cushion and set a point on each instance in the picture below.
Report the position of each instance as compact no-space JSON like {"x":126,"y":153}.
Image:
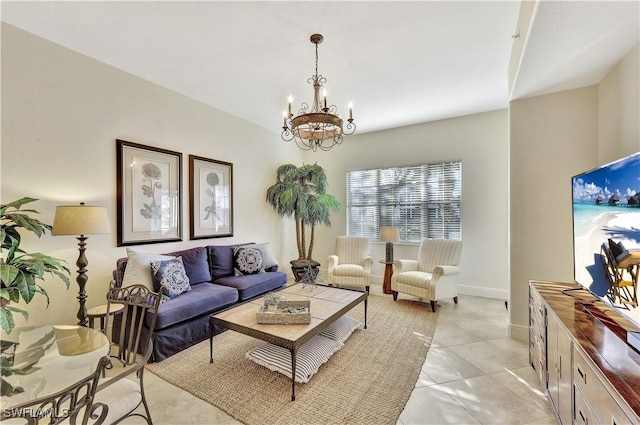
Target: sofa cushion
{"x":247,"y":260}
{"x":171,"y":275}
{"x":202,"y":299}
{"x":220,"y":260}
{"x":195,"y":264}
{"x":138,"y":269}
{"x":252,"y":285}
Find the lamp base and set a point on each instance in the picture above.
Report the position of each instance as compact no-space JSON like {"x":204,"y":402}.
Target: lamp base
{"x":81,"y":280}
{"x":389,"y":252}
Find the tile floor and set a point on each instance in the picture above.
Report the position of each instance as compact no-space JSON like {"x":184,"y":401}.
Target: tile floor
{"x":473,"y":374}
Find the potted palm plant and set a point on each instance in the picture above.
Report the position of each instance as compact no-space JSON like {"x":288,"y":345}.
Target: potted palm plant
{"x":19,"y":270}
{"x":301,"y":193}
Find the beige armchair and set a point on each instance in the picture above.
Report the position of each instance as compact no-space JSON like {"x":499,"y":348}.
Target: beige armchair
{"x":433,"y":276}
{"x":350,"y":266}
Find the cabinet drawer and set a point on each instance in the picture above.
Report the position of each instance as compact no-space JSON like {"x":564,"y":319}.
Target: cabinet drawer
{"x":582,"y":414}
{"x":598,"y":399}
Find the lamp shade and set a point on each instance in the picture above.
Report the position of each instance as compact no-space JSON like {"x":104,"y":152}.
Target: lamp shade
{"x":80,"y":220}
{"x":389,"y":234}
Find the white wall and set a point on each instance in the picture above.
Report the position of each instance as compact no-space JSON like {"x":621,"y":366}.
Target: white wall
{"x":61,"y":114}
{"x":552,"y":138}
{"x":619,"y":110}
{"x":480,"y":141}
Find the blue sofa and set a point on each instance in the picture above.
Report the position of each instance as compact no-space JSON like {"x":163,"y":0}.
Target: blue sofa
{"x":184,"y":320}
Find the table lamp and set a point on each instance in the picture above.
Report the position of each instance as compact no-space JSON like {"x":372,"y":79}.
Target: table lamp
{"x":389,"y":234}
{"x":81,"y":220}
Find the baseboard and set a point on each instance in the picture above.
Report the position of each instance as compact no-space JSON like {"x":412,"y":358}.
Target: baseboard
{"x":518,"y":332}
{"x":476,"y":291}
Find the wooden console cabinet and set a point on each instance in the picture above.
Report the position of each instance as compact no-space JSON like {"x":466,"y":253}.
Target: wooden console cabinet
{"x":589,"y":372}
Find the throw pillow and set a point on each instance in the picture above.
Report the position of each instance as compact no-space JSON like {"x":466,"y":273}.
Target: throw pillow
{"x":171,"y":275}
{"x":138,"y":270}
{"x":247,"y":261}
{"x":195,"y":263}
{"x":267,"y":255}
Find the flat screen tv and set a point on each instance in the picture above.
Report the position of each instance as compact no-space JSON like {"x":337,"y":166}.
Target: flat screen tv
{"x":606,"y":206}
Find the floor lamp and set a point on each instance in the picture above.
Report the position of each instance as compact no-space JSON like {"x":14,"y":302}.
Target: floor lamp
{"x":81,"y":220}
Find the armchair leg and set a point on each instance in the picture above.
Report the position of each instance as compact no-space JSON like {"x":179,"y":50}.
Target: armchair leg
{"x":455,"y":300}
{"x":395,"y":295}
{"x":433,"y":306}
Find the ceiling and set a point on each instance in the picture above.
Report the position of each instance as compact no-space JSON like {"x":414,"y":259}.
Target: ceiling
{"x":400,"y":63}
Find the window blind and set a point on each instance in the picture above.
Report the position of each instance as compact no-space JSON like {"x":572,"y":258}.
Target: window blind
{"x":423,"y":201}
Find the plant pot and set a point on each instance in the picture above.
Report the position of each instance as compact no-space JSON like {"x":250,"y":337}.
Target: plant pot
{"x":302,"y":268}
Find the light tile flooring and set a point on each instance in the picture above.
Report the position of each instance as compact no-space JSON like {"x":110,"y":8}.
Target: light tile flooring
{"x":473,"y":374}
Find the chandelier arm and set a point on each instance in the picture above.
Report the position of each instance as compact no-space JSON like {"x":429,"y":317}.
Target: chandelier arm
{"x":287,"y":134}
{"x":350,"y":128}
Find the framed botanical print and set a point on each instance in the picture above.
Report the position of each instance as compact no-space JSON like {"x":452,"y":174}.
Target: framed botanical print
{"x":211,"y":198}
{"x":149,"y":194}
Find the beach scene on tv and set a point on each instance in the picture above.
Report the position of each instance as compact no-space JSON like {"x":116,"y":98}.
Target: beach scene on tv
{"x":606,"y":227}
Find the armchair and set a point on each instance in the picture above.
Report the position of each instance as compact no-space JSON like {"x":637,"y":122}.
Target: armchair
{"x":433,"y":276}
{"x":122,"y":395}
{"x":350,"y":266}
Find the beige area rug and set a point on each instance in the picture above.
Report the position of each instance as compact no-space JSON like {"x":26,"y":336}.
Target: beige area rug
{"x":368,"y":381}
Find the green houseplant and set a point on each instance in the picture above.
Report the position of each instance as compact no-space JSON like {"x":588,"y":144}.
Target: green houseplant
{"x":19,"y":270}
{"x":301,"y":193}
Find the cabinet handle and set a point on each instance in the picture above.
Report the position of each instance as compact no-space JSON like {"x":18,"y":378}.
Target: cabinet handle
{"x":584,"y":420}
{"x":560,"y":366}
{"x":582,"y":375}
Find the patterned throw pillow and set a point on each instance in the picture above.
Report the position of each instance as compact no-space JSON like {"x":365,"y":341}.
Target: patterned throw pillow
{"x":172,"y":275}
{"x":247,"y":261}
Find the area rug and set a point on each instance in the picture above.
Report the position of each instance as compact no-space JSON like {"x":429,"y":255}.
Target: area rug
{"x":368,"y":381}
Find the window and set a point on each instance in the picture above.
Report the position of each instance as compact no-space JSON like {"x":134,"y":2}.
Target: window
{"x":423,"y":201}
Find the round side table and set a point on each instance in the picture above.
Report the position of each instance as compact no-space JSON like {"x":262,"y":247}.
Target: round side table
{"x":101,"y":313}
{"x":388,"y":272}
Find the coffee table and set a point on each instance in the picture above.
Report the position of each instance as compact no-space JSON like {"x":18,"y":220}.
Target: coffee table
{"x":328,"y":304}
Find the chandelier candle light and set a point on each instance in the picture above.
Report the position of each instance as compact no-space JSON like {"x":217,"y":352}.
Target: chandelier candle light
{"x":317,"y":126}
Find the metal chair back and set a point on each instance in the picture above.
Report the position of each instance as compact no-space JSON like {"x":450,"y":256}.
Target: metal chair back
{"x":64,"y":406}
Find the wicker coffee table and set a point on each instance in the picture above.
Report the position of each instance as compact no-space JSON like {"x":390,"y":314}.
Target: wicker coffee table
{"x":328,"y":304}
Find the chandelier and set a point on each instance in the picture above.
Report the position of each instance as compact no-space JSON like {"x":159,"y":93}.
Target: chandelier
{"x":318,"y":126}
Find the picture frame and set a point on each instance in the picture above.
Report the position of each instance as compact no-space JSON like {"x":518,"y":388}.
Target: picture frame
{"x":149,"y":194}
{"x":211,"y":198}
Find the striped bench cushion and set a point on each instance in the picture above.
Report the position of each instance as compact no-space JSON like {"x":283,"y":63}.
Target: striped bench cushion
{"x":341,"y":329}
{"x":309,"y":358}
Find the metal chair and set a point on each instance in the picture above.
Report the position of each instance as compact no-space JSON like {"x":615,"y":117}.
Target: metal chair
{"x":63,"y":406}
{"x":133,"y":336}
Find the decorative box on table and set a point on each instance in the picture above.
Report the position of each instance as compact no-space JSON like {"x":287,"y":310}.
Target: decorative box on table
{"x":286,"y":313}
